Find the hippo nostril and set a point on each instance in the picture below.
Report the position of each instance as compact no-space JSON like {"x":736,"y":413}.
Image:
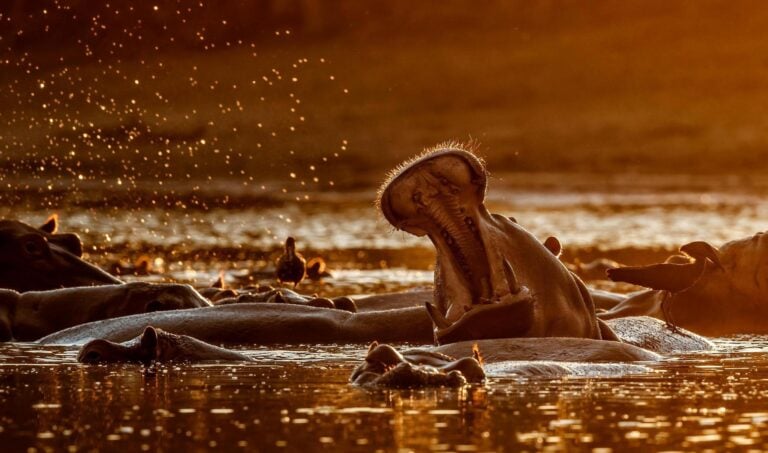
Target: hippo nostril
{"x":92,"y":357}
{"x":417,"y":198}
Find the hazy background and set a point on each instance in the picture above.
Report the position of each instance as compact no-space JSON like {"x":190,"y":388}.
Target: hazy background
{"x":317,"y":95}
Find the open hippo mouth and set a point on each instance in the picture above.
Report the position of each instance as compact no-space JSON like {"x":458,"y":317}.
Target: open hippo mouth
{"x":478,"y":294}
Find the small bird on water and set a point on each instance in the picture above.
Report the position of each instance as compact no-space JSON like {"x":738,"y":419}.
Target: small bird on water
{"x":291,"y":266}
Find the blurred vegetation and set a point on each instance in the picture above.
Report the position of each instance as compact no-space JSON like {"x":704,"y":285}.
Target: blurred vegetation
{"x":317,"y":92}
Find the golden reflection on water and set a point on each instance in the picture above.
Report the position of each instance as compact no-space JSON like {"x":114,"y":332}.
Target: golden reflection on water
{"x":297,"y":398}
{"x":688,"y":402}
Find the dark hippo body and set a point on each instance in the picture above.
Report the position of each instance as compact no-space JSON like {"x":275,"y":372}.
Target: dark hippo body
{"x":155,"y":345}
{"x":39,"y":259}
{"x":32,"y":315}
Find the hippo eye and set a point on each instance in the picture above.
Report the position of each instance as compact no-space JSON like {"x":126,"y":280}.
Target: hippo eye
{"x":35,"y":247}
{"x":92,"y":356}
{"x":154,"y":305}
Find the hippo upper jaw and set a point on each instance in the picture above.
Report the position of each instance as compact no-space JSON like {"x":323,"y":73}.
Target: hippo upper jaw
{"x":477,"y":289}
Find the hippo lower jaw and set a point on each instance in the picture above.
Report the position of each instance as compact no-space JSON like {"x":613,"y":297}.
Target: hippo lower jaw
{"x":496,"y":320}
{"x":477,"y":291}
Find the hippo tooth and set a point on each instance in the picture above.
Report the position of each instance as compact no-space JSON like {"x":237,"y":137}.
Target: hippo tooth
{"x":509,"y":273}
{"x":437,"y":318}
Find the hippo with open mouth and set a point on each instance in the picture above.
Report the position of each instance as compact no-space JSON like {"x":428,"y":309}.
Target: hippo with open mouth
{"x":39,"y":259}
{"x":493,"y":279}
{"x":495,"y":285}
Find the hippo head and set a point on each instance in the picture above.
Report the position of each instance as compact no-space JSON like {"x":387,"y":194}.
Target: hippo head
{"x":155,"y":345}
{"x":385,"y":366}
{"x":144,"y":297}
{"x":493,"y":279}
{"x":42,"y":259}
{"x":709,"y":290}
{"x":677,"y":274}
{"x":738,"y":268}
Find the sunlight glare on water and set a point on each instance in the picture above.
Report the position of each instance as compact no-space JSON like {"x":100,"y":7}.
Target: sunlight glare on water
{"x":298,"y":398}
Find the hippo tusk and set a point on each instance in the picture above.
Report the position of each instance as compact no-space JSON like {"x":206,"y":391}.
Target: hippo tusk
{"x":509,"y":273}
{"x":438,"y":319}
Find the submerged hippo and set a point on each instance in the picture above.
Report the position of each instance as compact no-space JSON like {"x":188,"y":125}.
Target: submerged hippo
{"x":38,"y":259}
{"x":155,"y":345}
{"x":285,"y":296}
{"x":450,"y":365}
{"x":385,"y":366}
{"x":710,"y":291}
{"x":456,"y":364}
{"x":462,"y":363}
{"x":493,"y":279}
{"x":34,"y":314}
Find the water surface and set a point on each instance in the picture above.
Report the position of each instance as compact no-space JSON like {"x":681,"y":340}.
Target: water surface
{"x":296,"y":398}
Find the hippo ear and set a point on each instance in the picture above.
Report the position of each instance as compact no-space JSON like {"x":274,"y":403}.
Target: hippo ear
{"x":476,"y":353}
{"x":149,"y":338}
{"x":278,"y":298}
{"x":219,"y":283}
{"x":51,"y":225}
{"x":606,"y":333}
{"x":374,"y":345}
{"x":553,"y":245}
